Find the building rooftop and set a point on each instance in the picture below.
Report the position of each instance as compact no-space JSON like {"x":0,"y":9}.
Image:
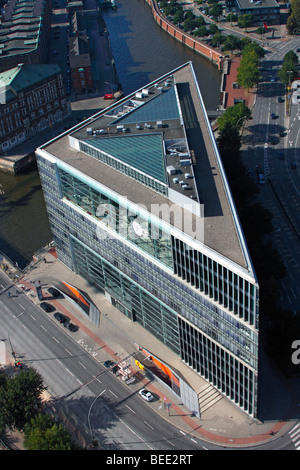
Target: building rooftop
{"x":161,"y":131}
{"x":14,"y":80}
{"x":257,"y":4}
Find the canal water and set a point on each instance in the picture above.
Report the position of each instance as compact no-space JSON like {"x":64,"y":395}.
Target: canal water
{"x":142,"y":52}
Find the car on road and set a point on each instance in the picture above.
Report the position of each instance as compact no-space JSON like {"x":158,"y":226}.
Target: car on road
{"x":273,"y":79}
{"x":280,"y":99}
{"x":54,"y":292}
{"x":46,"y":307}
{"x":273,"y":116}
{"x":60,"y":317}
{"x":146,"y":395}
{"x":70,"y":326}
{"x":273,"y":140}
{"x":111,"y":365}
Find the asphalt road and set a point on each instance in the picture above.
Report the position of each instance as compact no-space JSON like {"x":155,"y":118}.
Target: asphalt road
{"x":101,"y":405}
{"x":281,"y":192}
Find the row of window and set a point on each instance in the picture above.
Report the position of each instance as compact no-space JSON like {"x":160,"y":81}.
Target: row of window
{"x":216,"y":281}
{"x":215,"y":322}
{"x":231,"y":377}
{"x":136,"y":303}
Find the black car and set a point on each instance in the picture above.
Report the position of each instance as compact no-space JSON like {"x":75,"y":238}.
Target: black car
{"x":109,"y":363}
{"x":46,"y":307}
{"x":54,"y":292}
{"x":70,"y":326}
{"x":60,"y":317}
{"x":112,"y":366}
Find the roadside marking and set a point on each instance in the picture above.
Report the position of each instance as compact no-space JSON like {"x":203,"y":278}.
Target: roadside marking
{"x":113,"y":394}
{"x":149,"y":425}
{"x":32,"y":317}
{"x":43,"y":328}
{"x":130,"y":409}
{"x":55,"y":339}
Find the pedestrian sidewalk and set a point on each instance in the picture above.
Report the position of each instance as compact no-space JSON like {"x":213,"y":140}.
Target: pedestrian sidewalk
{"x":117,"y":338}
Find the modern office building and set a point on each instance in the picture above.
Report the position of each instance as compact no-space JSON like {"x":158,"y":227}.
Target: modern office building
{"x":139,"y":205}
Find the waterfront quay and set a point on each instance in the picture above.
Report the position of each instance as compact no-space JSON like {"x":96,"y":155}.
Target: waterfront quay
{"x":19,"y":158}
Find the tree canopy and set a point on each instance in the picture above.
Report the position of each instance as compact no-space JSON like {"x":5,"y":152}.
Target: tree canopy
{"x":293,"y":21}
{"x":43,"y":433}
{"x":20,"y":397}
{"x":289,"y":69}
{"x":234,"y":116}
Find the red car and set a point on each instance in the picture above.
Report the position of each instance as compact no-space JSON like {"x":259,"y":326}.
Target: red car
{"x":108,"y":96}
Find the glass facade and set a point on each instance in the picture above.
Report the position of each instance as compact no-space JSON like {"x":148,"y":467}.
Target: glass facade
{"x":219,"y":283}
{"x":119,"y":218}
{"x":128,"y":170}
{"x":203,"y":311}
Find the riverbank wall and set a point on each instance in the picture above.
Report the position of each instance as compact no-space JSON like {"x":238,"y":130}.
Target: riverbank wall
{"x":190,"y":41}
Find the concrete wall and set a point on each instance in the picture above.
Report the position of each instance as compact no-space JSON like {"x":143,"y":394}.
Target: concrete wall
{"x":185,"y":38}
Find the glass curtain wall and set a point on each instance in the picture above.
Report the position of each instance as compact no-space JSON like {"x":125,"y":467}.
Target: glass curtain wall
{"x":126,"y":222}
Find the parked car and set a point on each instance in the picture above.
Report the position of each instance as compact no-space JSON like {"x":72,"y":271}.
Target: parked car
{"x":146,"y":395}
{"x":111,"y":365}
{"x":280,"y":99}
{"x":46,"y":307}
{"x":54,"y":292}
{"x":70,"y":326}
{"x":60,"y":317}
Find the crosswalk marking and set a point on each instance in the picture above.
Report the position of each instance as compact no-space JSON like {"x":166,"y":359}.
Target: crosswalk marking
{"x":295,"y":436}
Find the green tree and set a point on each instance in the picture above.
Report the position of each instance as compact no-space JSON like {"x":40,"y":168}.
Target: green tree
{"x":201,"y":32}
{"x":289,"y":70}
{"x":231,"y":42}
{"x":43,"y":433}
{"x":216,"y":10}
{"x":217,"y":39}
{"x":178,"y":15}
{"x":293,"y":21}
{"x":232,"y":17}
{"x":248,"y":72}
{"x":244,"y":21}
{"x":20,"y":398}
{"x":234,"y":116}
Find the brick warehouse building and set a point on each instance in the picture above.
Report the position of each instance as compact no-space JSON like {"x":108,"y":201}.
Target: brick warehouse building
{"x":32,"y":98}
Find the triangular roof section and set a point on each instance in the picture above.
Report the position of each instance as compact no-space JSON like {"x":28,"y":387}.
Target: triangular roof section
{"x":162,"y":131}
{"x":142,"y":152}
{"x":160,"y":108}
